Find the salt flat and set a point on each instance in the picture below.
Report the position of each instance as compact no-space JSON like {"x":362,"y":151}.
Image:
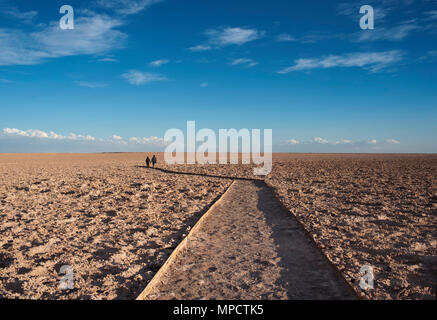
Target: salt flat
{"x":113,"y":223}
{"x":116,"y":222}
{"x":248,"y":247}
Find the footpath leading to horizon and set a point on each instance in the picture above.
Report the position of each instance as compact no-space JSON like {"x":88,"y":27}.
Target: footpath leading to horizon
{"x":247,"y":246}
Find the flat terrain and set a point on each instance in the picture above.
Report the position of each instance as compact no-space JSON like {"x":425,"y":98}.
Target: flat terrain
{"x":248,"y":247}
{"x":379,"y":210}
{"x":362,"y":209}
{"x":116,"y":222}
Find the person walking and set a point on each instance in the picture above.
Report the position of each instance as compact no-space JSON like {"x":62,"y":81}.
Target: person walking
{"x":153,"y":161}
{"x":148,"y":161}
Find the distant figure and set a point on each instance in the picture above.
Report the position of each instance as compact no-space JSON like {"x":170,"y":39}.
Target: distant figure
{"x":148,"y":161}
{"x":153,"y":161}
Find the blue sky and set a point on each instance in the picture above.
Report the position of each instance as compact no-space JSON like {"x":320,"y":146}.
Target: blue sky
{"x":131,"y":69}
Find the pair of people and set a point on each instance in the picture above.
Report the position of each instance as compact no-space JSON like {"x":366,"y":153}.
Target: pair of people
{"x":153,"y":161}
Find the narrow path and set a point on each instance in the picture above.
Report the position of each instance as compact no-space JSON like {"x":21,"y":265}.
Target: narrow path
{"x":248,"y":247}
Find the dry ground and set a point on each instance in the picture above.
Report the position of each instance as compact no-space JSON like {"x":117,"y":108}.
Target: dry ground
{"x":248,"y":247}
{"x":362,"y":209}
{"x":379,"y":210}
{"x":115,"y":223}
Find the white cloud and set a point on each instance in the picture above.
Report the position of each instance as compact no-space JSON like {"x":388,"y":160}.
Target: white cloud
{"x":392,"y":141}
{"x":384,"y":29}
{"x":429,"y":56}
{"x":115,"y":137}
{"x":338,"y":142}
{"x":320,"y":140}
{"x":113,"y":140}
{"x":16,"y":14}
{"x":344,"y":141}
{"x":373,"y":61}
{"x":200,"y":47}
{"x":107,"y":60}
{"x":35,"y":133}
{"x":293,"y":141}
{"x":127,"y":7}
{"x":117,"y":140}
{"x":204,"y":85}
{"x":92,"y":85}
{"x":233,"y":36}
{"x":148,"y":141}
{"x":352,"y":9}
{"x":158,"y":63}
{"x":396,"y":33}
{"x":137,"y":78}
{"x":432,"y":53}
{"x":390,"y":30}
{"x":285,"y":38}
{"x":93,"y":34}
{"x":431,"y":15}
{"x":222,"y":37}
{"x":73,"y":136}
{"x":373,"y":141}
{"x":244,"y":61}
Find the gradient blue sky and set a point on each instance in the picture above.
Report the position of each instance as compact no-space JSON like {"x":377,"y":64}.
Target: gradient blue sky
{"x":131,"y":69}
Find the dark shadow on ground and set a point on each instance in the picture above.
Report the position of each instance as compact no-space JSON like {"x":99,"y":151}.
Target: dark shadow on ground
{"x":306,"y":272}
{"x":197,"y":174}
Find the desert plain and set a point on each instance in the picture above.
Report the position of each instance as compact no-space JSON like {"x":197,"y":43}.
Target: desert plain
{"x":116,"y":222}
